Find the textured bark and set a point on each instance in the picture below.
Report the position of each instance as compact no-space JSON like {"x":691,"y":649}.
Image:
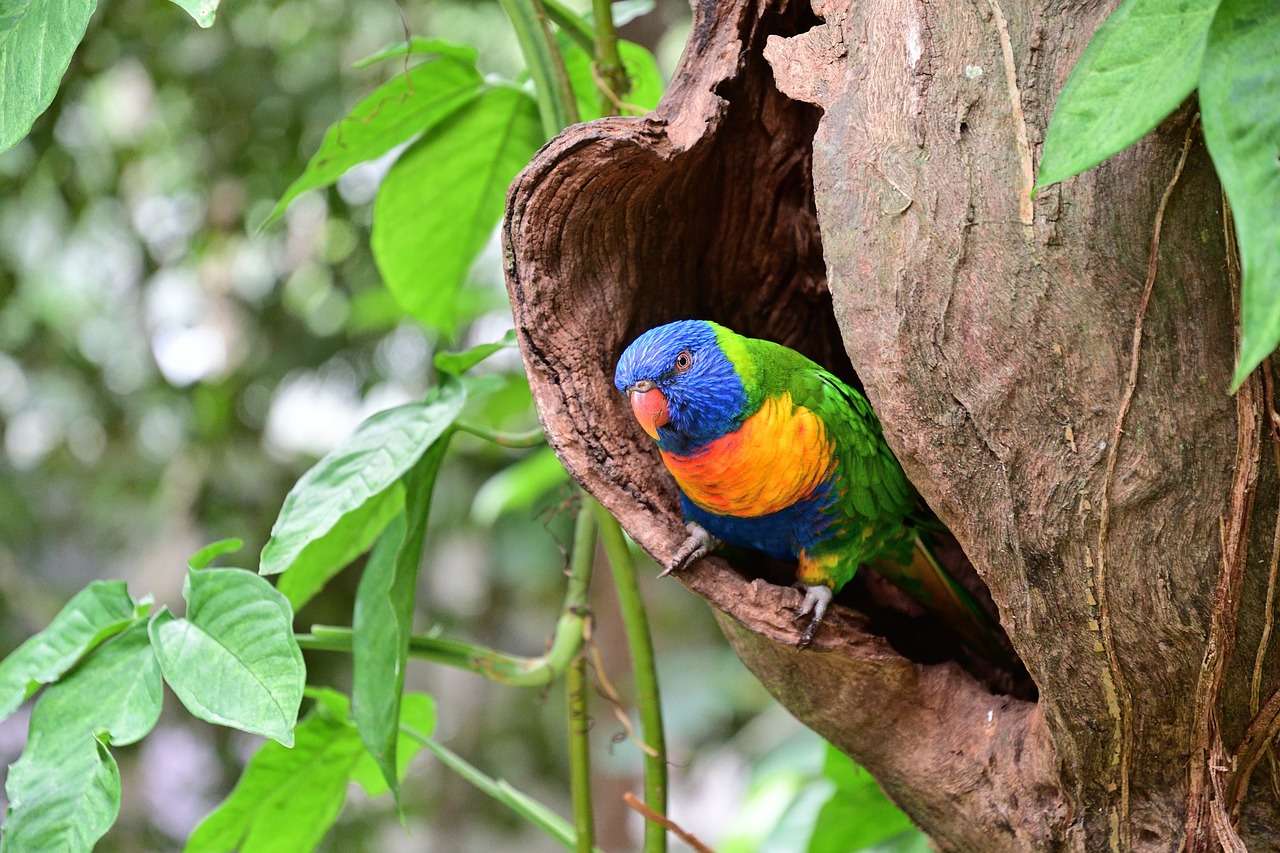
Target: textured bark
{"x":884,"y":152}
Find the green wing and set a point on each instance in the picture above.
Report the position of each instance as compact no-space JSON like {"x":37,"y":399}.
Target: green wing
{"x":872,"y":515}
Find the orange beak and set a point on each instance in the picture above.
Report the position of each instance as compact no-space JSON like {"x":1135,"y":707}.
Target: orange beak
{"x":650,"y":408}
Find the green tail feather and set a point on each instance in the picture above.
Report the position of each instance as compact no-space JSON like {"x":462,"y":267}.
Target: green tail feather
{"x":926,"y":581}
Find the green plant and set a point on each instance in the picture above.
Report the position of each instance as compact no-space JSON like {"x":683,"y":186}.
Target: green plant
{"x":233,"y":658}
{"x":1140,"y":65}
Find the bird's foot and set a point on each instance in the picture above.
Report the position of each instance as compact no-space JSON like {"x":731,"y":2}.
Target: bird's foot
{"x":816,"y":600}
{"x":697,"y":545}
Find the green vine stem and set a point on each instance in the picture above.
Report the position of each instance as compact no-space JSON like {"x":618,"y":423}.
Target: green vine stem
{"x":579,"y":753}
{"x":648,"y":698}
{"x":498,"y":666}
{"x":502,"y":791}
{"x":529,"y":438}
{"x":572,"y":25}
{"x":612,"y":73}
{"x":546,"y":66}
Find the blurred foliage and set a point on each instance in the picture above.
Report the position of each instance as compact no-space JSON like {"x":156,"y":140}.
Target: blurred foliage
{"x":168,"y":368}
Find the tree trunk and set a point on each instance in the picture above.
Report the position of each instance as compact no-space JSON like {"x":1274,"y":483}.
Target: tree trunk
{"x":853,"y":180}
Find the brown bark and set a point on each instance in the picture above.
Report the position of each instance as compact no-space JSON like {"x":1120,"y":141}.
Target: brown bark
{"x":1051,"y":373}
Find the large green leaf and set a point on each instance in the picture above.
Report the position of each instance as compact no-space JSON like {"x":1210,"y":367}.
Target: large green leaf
{"x":65,"y":801}
{"x":64,"y":792}
{"x":101,"y":609}
{"x":327,"y":519}
{"x":233,"y":659}
{"x":286,"y":799}
{"x":419,"y":46}
{"x":439,"y":204}
{"x":1138,"y":67}
{"x":37,"y":38}
{"x":857,"y":814}
{"x":1240,"y":106}
{"x":405,"y":106}
{"x":383,"y":620}
{"x":642,"y":71}
{"x":327,"y":555}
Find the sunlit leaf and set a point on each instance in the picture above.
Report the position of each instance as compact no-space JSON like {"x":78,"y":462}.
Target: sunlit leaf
{"x":440,"y":202}
{"x":201,"y":11}
{"x":419,"y":46}
{"x":37,"y":38}
{"x":1240,"y":106}
{"x":857,"y":814}
{"x":233,"y":659}
{"x":383,"y":620}
{"x":98,"y":611}
{"x":642,"y":71}
{"x":1138,"y":67}
{"x":327,"y":555}
{"x":457,"y":363}
{"x":518,"y":487}
{"x":405,"y":106}
{"x":286,"y":799}
{"x":66,"y":800}
{"x":326,"y":520}
{"x":64,"y":792}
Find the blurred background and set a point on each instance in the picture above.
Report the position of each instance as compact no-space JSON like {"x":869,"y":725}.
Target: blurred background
{"x":167,"y":372}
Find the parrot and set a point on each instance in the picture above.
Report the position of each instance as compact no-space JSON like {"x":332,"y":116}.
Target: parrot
{"x":772,"y":453}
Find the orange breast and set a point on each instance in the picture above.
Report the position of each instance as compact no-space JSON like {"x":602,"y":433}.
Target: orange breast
{"x":779,"y":456}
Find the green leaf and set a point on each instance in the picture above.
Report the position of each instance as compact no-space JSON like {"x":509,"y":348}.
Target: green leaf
{"x":383,"y":620}
{"x":350,"y":537}
{"x":518,"y":487}
{"x":440,"y":202}
{"x":857,"y":814}
{"x":37,"y":38}
{"x":233,"y":659}
{"x":115,"y":693}
{"x":417,"y":717}
{"x":1240,"y":107}
{"x":206,"y":555}
{"x":326,"y":520}
{"x":458,"y":363}
{"x":1138,"y":67}
{"x":286,"y":799}
{"x":100,"y":610}
{"x":418,"y":46}
{"x":66,"y":801}
{"x":642,"y":71}
{"x":201,"y":11}
{"x":64,"y":792}
{"x":405,"y":106}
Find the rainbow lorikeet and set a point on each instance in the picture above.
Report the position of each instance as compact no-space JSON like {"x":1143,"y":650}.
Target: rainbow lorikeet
{"x":775,"y":454}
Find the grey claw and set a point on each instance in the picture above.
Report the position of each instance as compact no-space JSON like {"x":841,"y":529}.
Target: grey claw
{"x":697,"y":545}
{"x":816,"y":600}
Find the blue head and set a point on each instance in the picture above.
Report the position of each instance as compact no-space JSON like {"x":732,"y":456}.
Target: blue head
{"x":684,"y":389}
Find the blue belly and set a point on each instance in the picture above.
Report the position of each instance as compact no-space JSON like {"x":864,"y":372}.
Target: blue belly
{"x":781,"y":535}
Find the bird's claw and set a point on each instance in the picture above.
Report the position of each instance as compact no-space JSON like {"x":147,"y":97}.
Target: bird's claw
{"x":816,"y":600}
{"x":696,"y":545}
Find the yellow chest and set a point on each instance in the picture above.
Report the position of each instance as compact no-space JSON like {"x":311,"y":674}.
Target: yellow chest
{"x":779,"y":456}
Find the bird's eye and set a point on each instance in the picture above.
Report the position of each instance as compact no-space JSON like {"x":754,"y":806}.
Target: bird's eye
{"x":684,"y":361}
